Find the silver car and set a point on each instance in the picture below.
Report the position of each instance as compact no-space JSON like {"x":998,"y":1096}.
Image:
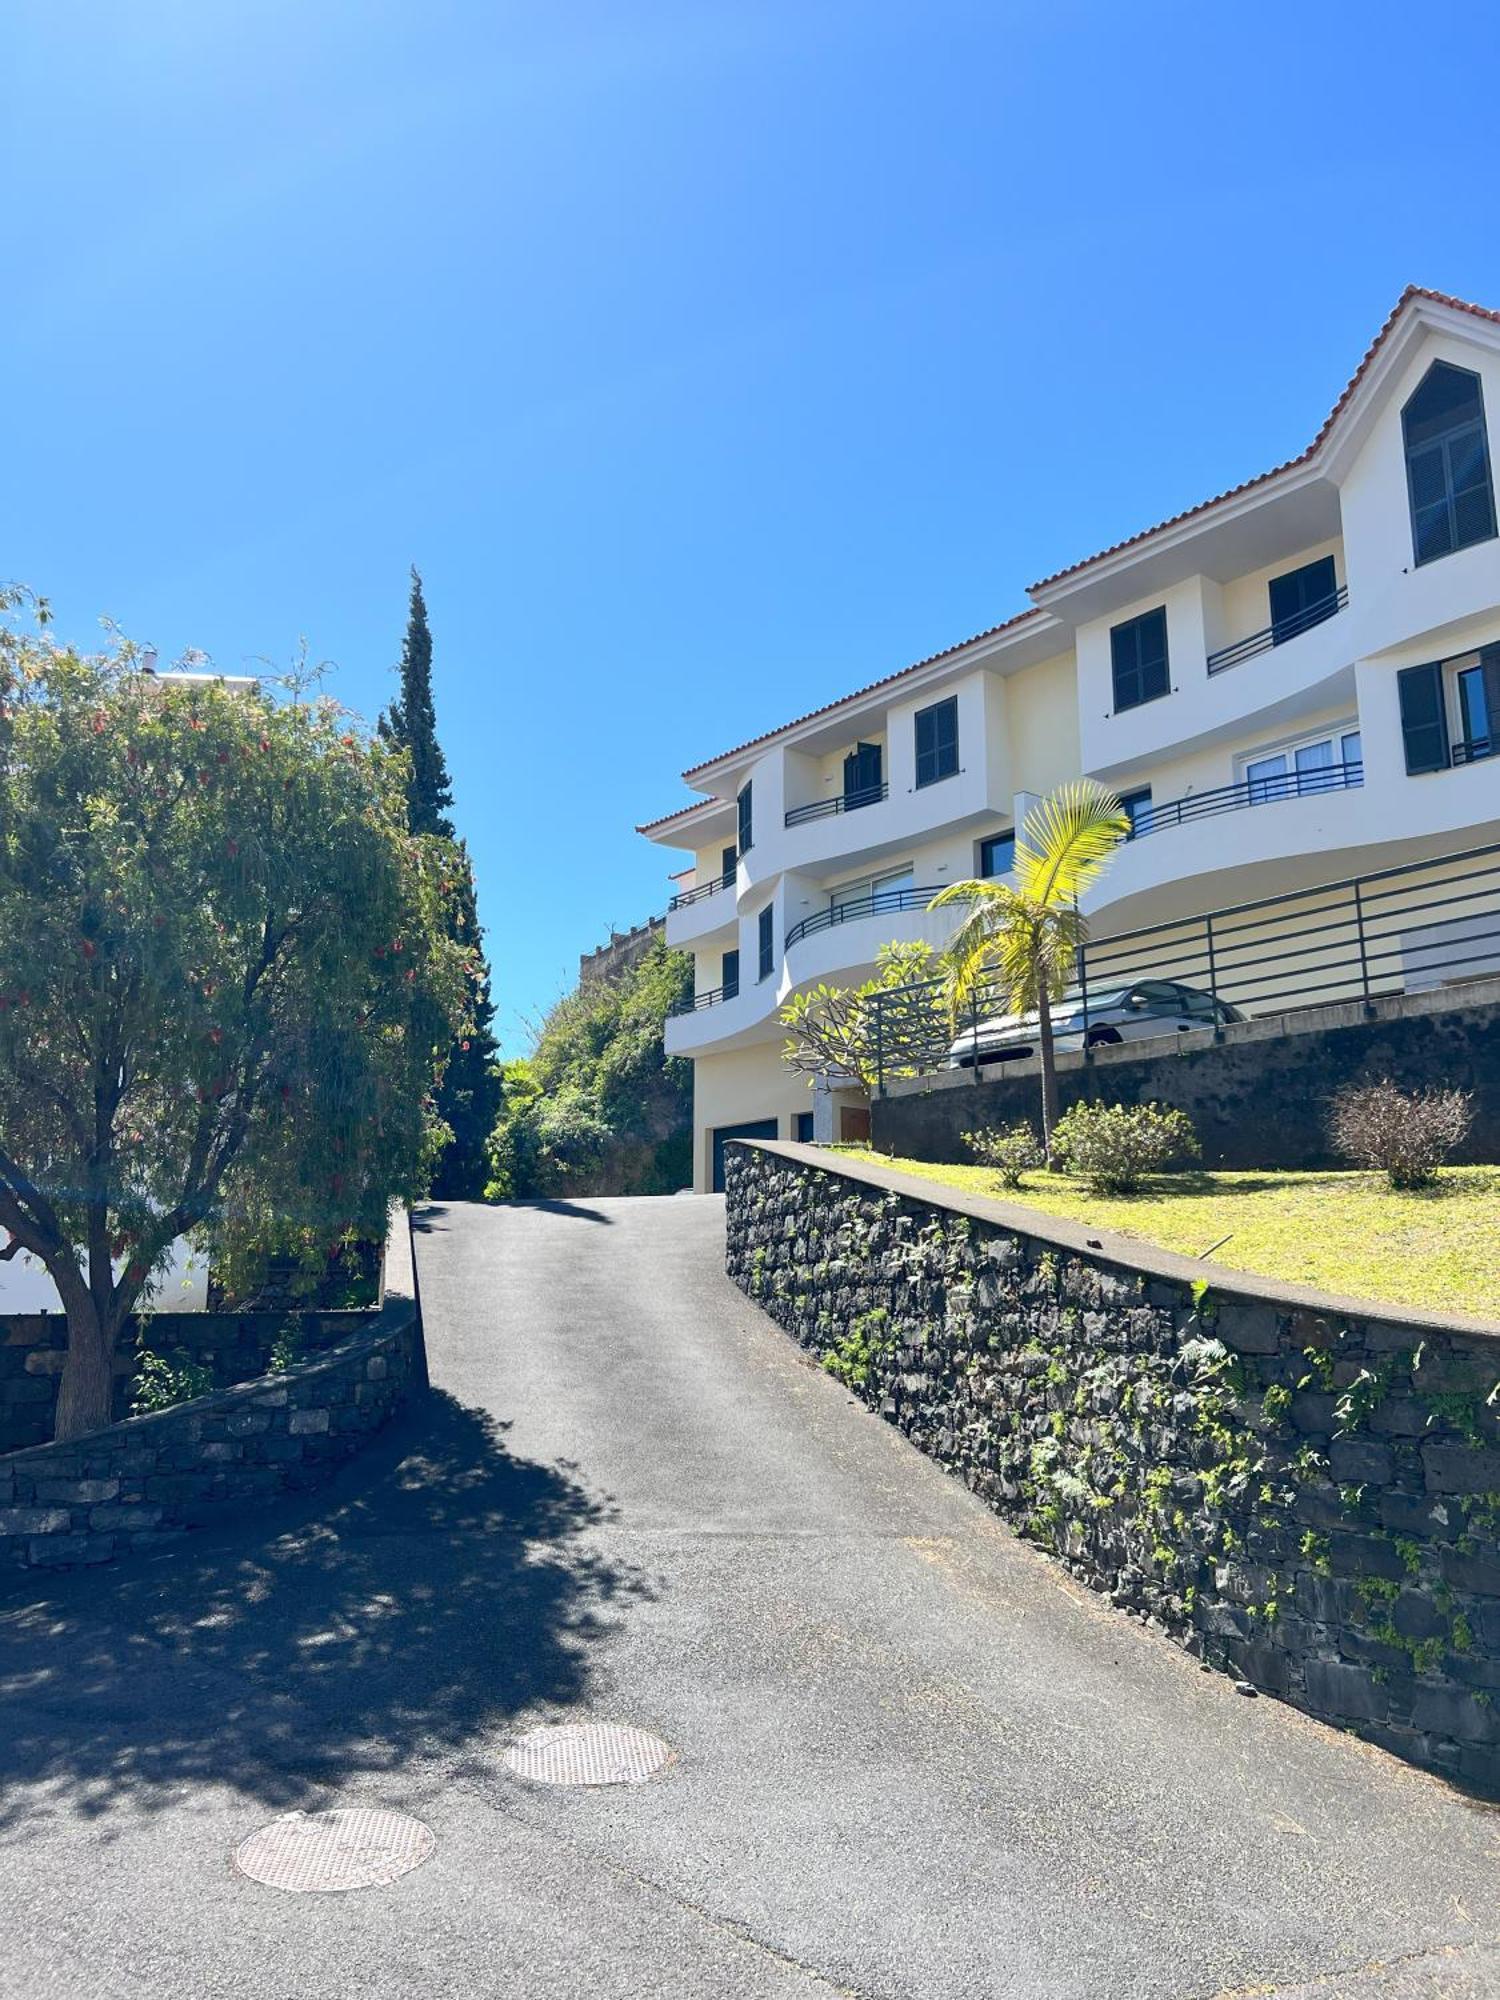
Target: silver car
{"x":1150,"y":1007}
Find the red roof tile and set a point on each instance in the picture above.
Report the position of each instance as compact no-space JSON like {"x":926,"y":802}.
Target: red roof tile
{"x":828,"y":707}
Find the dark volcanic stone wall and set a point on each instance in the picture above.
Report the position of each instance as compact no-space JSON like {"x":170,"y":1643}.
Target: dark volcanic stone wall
{"x":233,"y":1346}
{"x":1257,"y":1099}
{"x":138,"y":1483}
{"x":1308,"y":1498}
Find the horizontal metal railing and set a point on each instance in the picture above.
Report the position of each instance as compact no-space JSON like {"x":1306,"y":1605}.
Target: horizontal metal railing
{"x":1422,"y":925}
{"x":695,"y":1002}
{"x":842,"y":802}
{"x":879,"y":903}
{"x":702,"y":890}
{"x":1472,"y":749}
{"x":1278,"y":633}
{"x":1247,"y":792}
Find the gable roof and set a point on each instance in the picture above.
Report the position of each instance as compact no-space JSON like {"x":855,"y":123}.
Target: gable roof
{"x":1303,"y":457}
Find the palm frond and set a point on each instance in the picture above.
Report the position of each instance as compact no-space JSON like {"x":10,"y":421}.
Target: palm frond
{"x":1066,"y":840}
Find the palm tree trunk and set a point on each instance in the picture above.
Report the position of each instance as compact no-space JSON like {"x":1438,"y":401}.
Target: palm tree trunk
{"x":1049,"y":1067}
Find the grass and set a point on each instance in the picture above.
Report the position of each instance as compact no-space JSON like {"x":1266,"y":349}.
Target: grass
{"x":1344,"y":1232}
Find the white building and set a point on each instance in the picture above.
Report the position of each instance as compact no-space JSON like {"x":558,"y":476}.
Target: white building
{"x":1320,"y":644}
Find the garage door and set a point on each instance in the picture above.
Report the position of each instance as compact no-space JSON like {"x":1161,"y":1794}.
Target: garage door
{"x":763,"y":1128}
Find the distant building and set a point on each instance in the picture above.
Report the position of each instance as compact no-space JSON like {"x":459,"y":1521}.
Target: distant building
{"x":624,"y":949}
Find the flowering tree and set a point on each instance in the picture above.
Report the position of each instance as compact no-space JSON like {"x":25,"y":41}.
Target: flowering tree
{"x":225,"y":984}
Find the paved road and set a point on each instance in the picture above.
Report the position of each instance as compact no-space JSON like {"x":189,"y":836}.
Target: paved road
{"x":914,"y":1760}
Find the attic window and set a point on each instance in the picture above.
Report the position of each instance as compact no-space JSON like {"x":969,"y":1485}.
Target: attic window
{"x":1447,"y":464}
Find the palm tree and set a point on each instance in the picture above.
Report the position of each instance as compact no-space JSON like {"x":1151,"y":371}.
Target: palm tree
{"x":1027,"y":935}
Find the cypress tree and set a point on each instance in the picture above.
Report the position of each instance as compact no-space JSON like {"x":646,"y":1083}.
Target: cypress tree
{"x":411,"y":722}
{"x":469,"y":1095}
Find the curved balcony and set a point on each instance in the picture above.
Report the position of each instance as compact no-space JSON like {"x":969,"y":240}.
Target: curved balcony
{"x":880,"y":902}
{"x":844,"y":802}
{"x":1279,"y":633}
{"x":696,"y":913}
{"x":1247,"y":792}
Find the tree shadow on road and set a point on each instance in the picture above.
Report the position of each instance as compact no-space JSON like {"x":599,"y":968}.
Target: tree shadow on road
{"x":411,"y":1608}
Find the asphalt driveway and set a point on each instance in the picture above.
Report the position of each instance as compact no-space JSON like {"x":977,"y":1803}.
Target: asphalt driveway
{"x":914,"y":1760}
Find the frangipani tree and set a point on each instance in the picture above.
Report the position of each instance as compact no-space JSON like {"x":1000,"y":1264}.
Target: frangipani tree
{"x":225,"y":984}
{"x":831,"y":1030}
{"x":1024,"y":935}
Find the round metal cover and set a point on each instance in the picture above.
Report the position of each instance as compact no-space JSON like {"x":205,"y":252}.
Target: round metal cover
{"x":352,"y":1847}
{"x":588,"y":1753}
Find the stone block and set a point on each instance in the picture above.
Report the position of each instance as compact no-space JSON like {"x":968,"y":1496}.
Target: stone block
{"x":1455,"y":1712}
{"x":1360,"y":1462}
{"x":247,"y":1423}
{"x":1249,"y":1329}
{"x":35,"y":1520}
{"x":1451,"y":1466}
{"x":110,"y":1519}
{"x":307,"y":1423}
{"x":45,"y":1361}
{"x":76,"y":1492}
{"x":1349,"y":1692}
{"x":217,"y":1451}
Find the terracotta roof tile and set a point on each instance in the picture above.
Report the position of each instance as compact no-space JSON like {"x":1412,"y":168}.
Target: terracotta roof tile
{"x":885,"y":680}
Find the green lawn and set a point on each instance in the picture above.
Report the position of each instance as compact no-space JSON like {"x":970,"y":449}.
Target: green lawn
{"x":1345,"y":1232}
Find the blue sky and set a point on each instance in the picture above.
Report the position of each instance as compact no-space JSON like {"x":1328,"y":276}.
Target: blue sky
{"x":709,"y":359}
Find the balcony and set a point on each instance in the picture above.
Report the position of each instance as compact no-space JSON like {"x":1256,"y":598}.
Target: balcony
{"x":1471,"y":750}
{"x":696,"y":1002}
{"x":843,"y":802}
{"x":1279,"y":633}
{"x":701,"y":892}
{"x":881,"y":903}
{"x":1248,"y":792}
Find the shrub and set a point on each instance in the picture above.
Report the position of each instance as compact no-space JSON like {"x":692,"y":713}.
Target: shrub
{"x":1404,"y":1134}
{"x":1111,"y":1147}
{"x":1012,"y":1150}
{"x":162,"y":1381}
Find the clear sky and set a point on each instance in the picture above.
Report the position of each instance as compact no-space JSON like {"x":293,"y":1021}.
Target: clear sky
{"x":709,"y":357}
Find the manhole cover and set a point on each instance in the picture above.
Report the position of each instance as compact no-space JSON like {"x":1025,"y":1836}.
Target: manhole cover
{"x":588,"y":1753}
{"x":352,"y":1847}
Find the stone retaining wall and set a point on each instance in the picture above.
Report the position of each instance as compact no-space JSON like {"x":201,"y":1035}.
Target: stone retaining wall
{"x":235,"y":1346}
{"x":1301,"y":1491}
{"x":1259,"y":1097}
{"x":142,"y":1482}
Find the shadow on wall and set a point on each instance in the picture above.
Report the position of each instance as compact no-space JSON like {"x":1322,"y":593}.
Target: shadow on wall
{"x":418,"y":1602}
{"x":429,"y":1220}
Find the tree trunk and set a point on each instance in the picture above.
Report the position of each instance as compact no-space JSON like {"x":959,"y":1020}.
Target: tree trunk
{"x":85,"y":1395}
{"x":1049,"y":1068}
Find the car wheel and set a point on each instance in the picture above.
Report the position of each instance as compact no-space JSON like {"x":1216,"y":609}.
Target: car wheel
{"x":1101,"y":1037}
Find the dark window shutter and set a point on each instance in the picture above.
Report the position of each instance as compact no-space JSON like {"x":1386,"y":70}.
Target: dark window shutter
{"x":1489,"y":664}
{"x":746,"y":820}
{"x":1424,"y":721}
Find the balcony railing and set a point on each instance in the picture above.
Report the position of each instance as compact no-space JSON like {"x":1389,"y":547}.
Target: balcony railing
{"x":696,"y":895}
{"x":1475,"y":748}
{"x":842,"y":802}
{"x":1248,"y":792}
{"x":878,"y":904}
{"x":696,"y":1002}
{"x":1279,"y":633}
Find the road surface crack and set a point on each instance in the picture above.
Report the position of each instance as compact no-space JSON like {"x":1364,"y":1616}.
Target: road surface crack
{"x":1316,"y":1982}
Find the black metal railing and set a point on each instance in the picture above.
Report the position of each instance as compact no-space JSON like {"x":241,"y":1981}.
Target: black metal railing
{"x":1474,"y":748}
{"x":1248,"y":792}
{"x":881,"y":902}
{"x":696,"y":895}
{"x":842,"y":802}
{"x":1278,"y":633}
{"x":1413,"y":928}
{"x":696,"y":1002}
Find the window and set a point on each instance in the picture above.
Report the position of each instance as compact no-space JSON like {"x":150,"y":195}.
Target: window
{"x":1447,"y":464}
{"x":728,"y":862}
{"x":767,"y":942}
{"x":1477,"y":692}
{"x":1301,"y":598}
{"x":729,"y":974}
{"x":937,"y":741}
{"x":1331,"y":762}
{"x":872,"y":895}
{"x":1137,"y":808}
{"x":802,"y":1130}
{"x":747,"y":826}
{"x":1138,"y":656}
{"x":997,"y":855}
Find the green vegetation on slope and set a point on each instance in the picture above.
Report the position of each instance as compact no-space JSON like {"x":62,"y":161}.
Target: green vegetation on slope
{"x":598,"y":1107}
{"x":1349,"y":1233}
